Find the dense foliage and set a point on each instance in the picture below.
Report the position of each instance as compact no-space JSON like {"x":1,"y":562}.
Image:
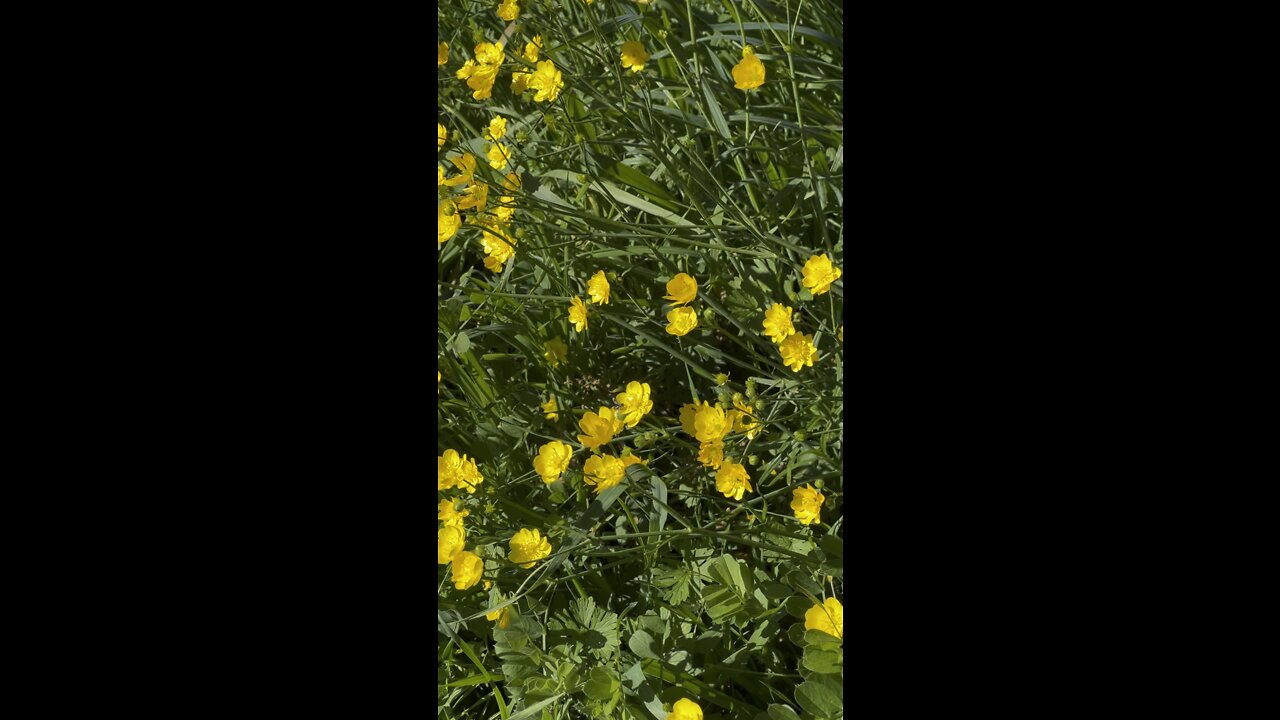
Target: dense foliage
{"x":640,"y":343}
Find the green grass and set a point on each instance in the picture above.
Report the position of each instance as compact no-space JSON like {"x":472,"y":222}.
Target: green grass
{"x":662,"y":587}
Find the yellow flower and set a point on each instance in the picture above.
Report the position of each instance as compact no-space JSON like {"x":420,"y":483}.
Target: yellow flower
{"x":555,"y":352}
{"x":447,"y":220}
{"x":710,"y":423}
{"x":550,"y":408}
{"x":481,"y":72}
{"x":578,"y":314}
{"x":454,"y":470}
{"x":552,"y":460}
{"x":527,"y":547}
{"x":520,"y":82}
{"x":777,"y":322}
{"x":503,"y":617}
{"x":489,"y":53}
{"x":827,"y":617}
{"x":806,"y":503}
{"x":711,"y":453}
{"x":467,"y":568}
{"x":634,"y":402}
{"x":548,"y":81}
{"x":749,"y":73}
{"x":798,"y":351}
{"x":442,"y":53}
{"x":494,"y":241}
{"x":498,"y":154}
{"x":732,"y":480}
{"x":439,"y":176}
{"x":475,"y":196}
{"x":598,"y":429}
{"x":466,"y":167}
{"x":497,"y":128}
{"x":681,"y":289}
{"x":598,"y":288}
{"x":685,"y":709}
{"x":603,"y":471}
{"x":681,"y":320}
{"x":508,"y":10}
{"x":634,"y":55}
{"x":449,"y":514}
{"x":687,"y":413}
{"x":531,"y":49}
{"x":449,"y":542}
{"x":441,"y":135}
{"x":819,"y":274}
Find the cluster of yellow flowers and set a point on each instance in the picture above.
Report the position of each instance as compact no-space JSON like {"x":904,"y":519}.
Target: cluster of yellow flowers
{"x":457,"y":471}
{"x":681,"y":290}
{"x":527,"y":546}
{"x":797,"y":349}
{"x":598,"y":428}
{"x":496,"y":236}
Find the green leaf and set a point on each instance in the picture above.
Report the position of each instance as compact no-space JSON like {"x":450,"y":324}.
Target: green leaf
{"x":781,"y":712}
{"x":823,"y":661}
{"x":601,"y":684}
{"x":821,"y":697}
{"x":643,"y":645}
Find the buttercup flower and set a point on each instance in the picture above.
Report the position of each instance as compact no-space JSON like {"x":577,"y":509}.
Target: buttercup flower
{"x":532,"y":48}
{"x":819,"y":274}
{"x":598,"y":288}
{"x":467,"y":569}
{"x":449,"y":542}
{"x":527,"y":547}
{"x":827,"y":617}
{"x":732,"y":480}
{"x":447,"y":220}
{"x":687,"y":413}
{"x":603,"y":471}
{"x":598,"y":428}
{"x":549,"y":407}
{"x":634,"y":402}
{"x":798,"y":351}
{"x":578,"y":314}
{"x":711,"y":453}
{"x":547,"y":81}
{"x":552,"y":460}
{"x":498,"y":154}
{"x":556,"y":353}
{"x":806,"y":503}
{"x":634,"y":55}
{"x":449,"y":514}
{"x":475,"y":196}
{"x":454,"y":470}
{"x":441,"y":134}
{"x":520,"y":82}
{"x":748,"y":74}
{"x":681,"y":289}
{"x":481,"y":71}
{"x":466,"y":168}
{"x":497,"y":128}
{"x":681,"y":320}
{"x":503,"y":617}
{"x":685,"y":709}
{"x":508,"y":10}
{"x":710,"y":423}
{"x":442,"y":53}
{"x":777,"y":322}
{"x":439,"y":176}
